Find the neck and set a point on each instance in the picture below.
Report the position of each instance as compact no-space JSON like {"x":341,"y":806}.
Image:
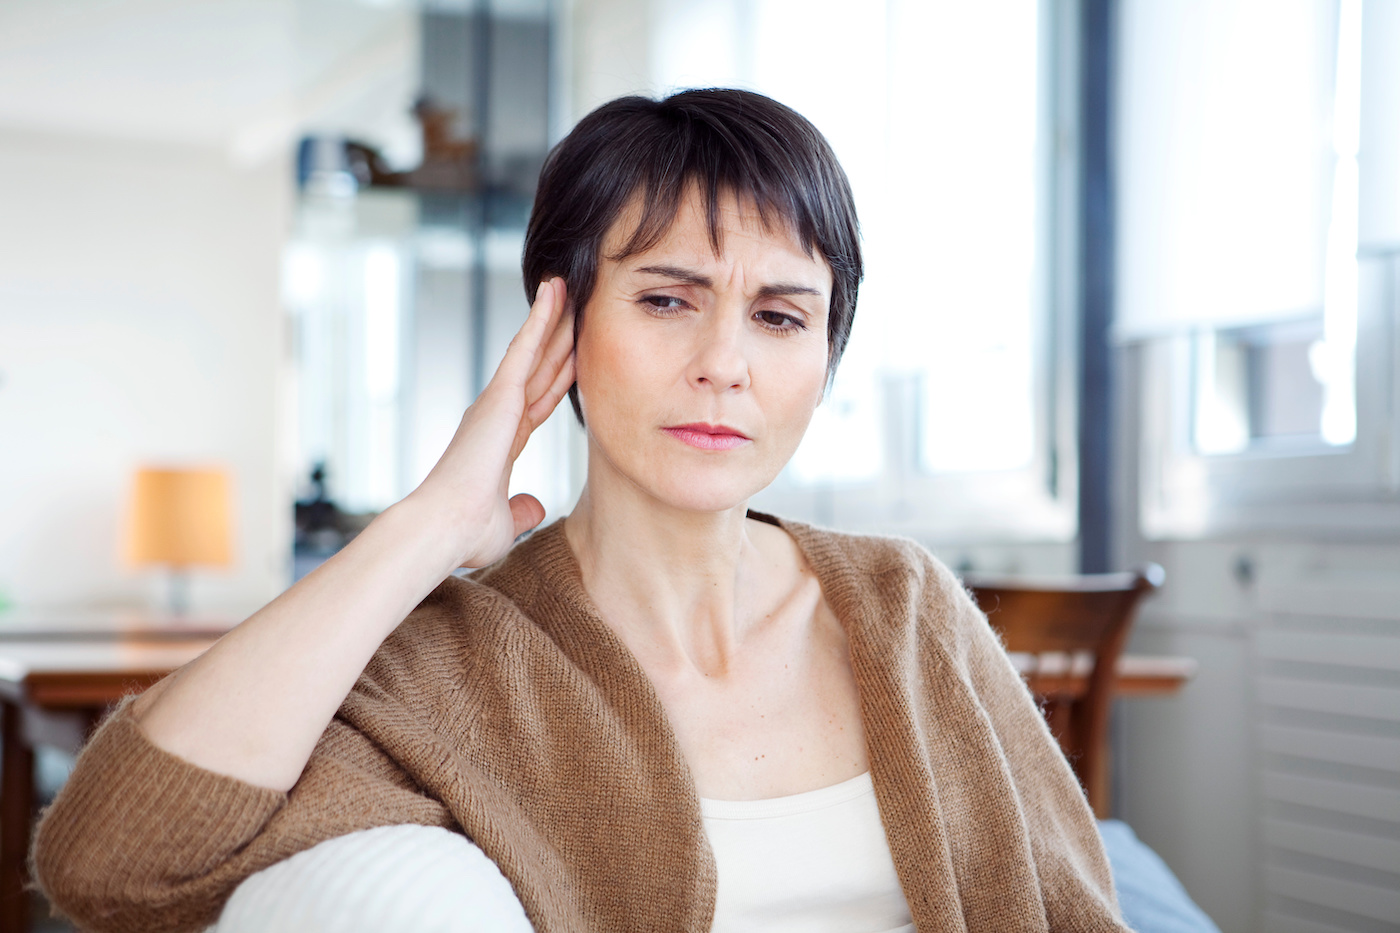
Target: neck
{"x":670,"y":581}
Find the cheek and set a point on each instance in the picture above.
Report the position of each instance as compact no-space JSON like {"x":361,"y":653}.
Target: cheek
{"x":607,"y":369}
{"x":803,"y":384}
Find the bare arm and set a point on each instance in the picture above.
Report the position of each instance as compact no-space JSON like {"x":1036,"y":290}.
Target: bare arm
{"x":254,"y":705}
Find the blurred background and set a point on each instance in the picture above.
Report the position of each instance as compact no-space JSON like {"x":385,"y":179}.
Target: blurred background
{"x":1133,"y":294}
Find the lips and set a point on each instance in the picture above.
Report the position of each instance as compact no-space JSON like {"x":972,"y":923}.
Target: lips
{"x":708,"y":436}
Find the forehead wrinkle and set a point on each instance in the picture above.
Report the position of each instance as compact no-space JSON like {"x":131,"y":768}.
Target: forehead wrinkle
{"x":680,"y":274}
{"x":746,"y":219}
{"x":691,"y":277}
{"x":684,"y":261}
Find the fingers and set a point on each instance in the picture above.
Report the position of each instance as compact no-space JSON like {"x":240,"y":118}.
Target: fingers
{"x":556,"y":354}
{"x":527,"y":512}
{"x":541,"y":407}
{"x":523,"y":354}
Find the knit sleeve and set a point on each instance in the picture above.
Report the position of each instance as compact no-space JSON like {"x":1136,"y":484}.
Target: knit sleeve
{"x":142,"y":841}
{"x":1075,"y":881}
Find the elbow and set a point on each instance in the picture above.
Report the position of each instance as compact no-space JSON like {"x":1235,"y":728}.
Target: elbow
{"x":82,"y":881}
{"x":102,"y":888}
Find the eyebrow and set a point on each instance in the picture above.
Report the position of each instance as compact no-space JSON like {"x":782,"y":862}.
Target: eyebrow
{"x":690,"y":277}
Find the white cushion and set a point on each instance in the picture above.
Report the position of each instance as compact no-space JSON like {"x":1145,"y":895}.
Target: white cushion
{"x":414,"y":878}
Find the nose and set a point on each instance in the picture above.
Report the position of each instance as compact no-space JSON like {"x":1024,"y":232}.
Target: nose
{"x":719,"y":361}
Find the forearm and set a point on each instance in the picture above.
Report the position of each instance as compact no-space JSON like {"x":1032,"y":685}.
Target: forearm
{"x":253,"y":706}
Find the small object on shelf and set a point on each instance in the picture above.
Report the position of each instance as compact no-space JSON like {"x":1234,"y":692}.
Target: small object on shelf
{"x":322,"y":528}
{"x":449,"y":163}
{"x":339,"y":166}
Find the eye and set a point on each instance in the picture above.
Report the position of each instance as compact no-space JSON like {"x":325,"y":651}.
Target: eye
{"x":779,"y":320}
{"x":663,"y":304}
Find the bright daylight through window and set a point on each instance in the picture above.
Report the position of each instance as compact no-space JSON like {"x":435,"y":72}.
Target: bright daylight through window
{"x":1290,"y":385}
{"x":957,"y":287}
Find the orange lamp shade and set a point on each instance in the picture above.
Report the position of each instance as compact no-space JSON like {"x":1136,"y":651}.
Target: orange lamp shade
{"x":180,"y":517}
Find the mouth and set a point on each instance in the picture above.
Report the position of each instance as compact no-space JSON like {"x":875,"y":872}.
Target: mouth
{"x":708,"y":436}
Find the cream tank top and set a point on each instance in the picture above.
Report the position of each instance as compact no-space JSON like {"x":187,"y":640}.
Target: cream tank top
{"x":816,"y":862}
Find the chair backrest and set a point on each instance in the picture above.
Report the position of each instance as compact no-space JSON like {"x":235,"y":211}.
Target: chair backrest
{"x":1079,"y":613}
{"x":1090,"y":613}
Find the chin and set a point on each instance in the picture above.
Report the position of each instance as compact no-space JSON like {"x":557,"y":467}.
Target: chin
{"x":693,"y":500}
{"x":716,"y":489}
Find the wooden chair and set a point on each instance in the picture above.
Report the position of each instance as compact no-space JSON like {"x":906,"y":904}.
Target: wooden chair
{"x":1070,"y":626}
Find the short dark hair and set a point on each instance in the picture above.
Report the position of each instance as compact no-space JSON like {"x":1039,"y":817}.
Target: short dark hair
{"x":724,"y":141}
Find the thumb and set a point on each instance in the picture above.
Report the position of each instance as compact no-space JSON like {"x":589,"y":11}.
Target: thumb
{"x":527,"y":512}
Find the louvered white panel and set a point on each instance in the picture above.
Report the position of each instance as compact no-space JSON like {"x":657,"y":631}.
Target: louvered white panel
{"x":1340,"y":796}
{"x":1330,"y":743}
{"x":1353,"y":897}
{"x":1370,"y":651}
{"x":1346,"y":699}
{"x":1278,"y":923}
{"x":1355,"y":848}
{"x":1366,"y":751}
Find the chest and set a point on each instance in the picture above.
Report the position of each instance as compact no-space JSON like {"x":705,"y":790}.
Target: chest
{"x":782,"y":718}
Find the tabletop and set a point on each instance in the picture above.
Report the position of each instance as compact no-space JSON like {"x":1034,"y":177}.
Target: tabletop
{"x":95,"y":624}
{"x":66,"y":674}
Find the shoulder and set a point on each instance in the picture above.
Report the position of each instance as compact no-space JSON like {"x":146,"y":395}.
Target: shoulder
{"x":450,"y":648}
{"x":459,"y":616}
{"x":480,"y":609}
{"x":888,"y":583}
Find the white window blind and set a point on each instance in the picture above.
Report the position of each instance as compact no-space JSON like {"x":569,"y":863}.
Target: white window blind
{"x":1226,"y":161}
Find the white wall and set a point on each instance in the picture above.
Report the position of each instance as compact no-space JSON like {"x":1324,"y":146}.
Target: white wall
{"x":139,"y":322}
{"x":610,"y":51}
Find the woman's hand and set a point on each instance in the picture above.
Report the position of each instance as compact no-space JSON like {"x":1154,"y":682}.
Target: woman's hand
{"x":254,"y":705}
{"x":469,"y":486}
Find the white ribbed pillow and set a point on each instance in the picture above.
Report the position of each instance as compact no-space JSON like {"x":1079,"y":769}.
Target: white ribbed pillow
{"x":422,"y":879}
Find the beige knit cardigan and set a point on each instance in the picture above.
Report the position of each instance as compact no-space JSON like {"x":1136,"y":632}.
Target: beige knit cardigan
{"x":504,"y":707}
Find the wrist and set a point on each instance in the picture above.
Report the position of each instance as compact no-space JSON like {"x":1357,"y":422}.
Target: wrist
{"x":414,"y":536}
{"x":448,"y":532}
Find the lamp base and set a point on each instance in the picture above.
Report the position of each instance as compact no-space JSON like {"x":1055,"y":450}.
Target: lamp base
{"x":179,"y":603}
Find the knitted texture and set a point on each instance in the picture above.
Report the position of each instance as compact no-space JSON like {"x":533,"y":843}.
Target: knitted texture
{"x":505,"y":708}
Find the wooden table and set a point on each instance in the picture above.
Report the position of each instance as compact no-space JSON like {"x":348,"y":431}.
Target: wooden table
{"x":48,"y":625}
{"x":47,"y":685}
{"x":1139,"y":675}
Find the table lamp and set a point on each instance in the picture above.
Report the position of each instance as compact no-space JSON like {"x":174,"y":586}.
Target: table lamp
{"x":180,"y":519}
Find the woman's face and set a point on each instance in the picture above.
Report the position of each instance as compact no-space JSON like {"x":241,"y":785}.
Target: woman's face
{"x":698,"y":372}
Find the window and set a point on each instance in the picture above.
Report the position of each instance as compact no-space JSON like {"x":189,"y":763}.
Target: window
{"x":1266,"y":403}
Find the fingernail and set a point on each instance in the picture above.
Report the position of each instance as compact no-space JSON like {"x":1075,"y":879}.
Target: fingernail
{"x":539,"y":292}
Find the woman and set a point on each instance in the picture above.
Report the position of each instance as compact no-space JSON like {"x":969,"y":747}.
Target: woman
{"x":663,"y":713}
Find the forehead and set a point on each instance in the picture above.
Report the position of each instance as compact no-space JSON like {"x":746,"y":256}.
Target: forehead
{"x":740,"y":227}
